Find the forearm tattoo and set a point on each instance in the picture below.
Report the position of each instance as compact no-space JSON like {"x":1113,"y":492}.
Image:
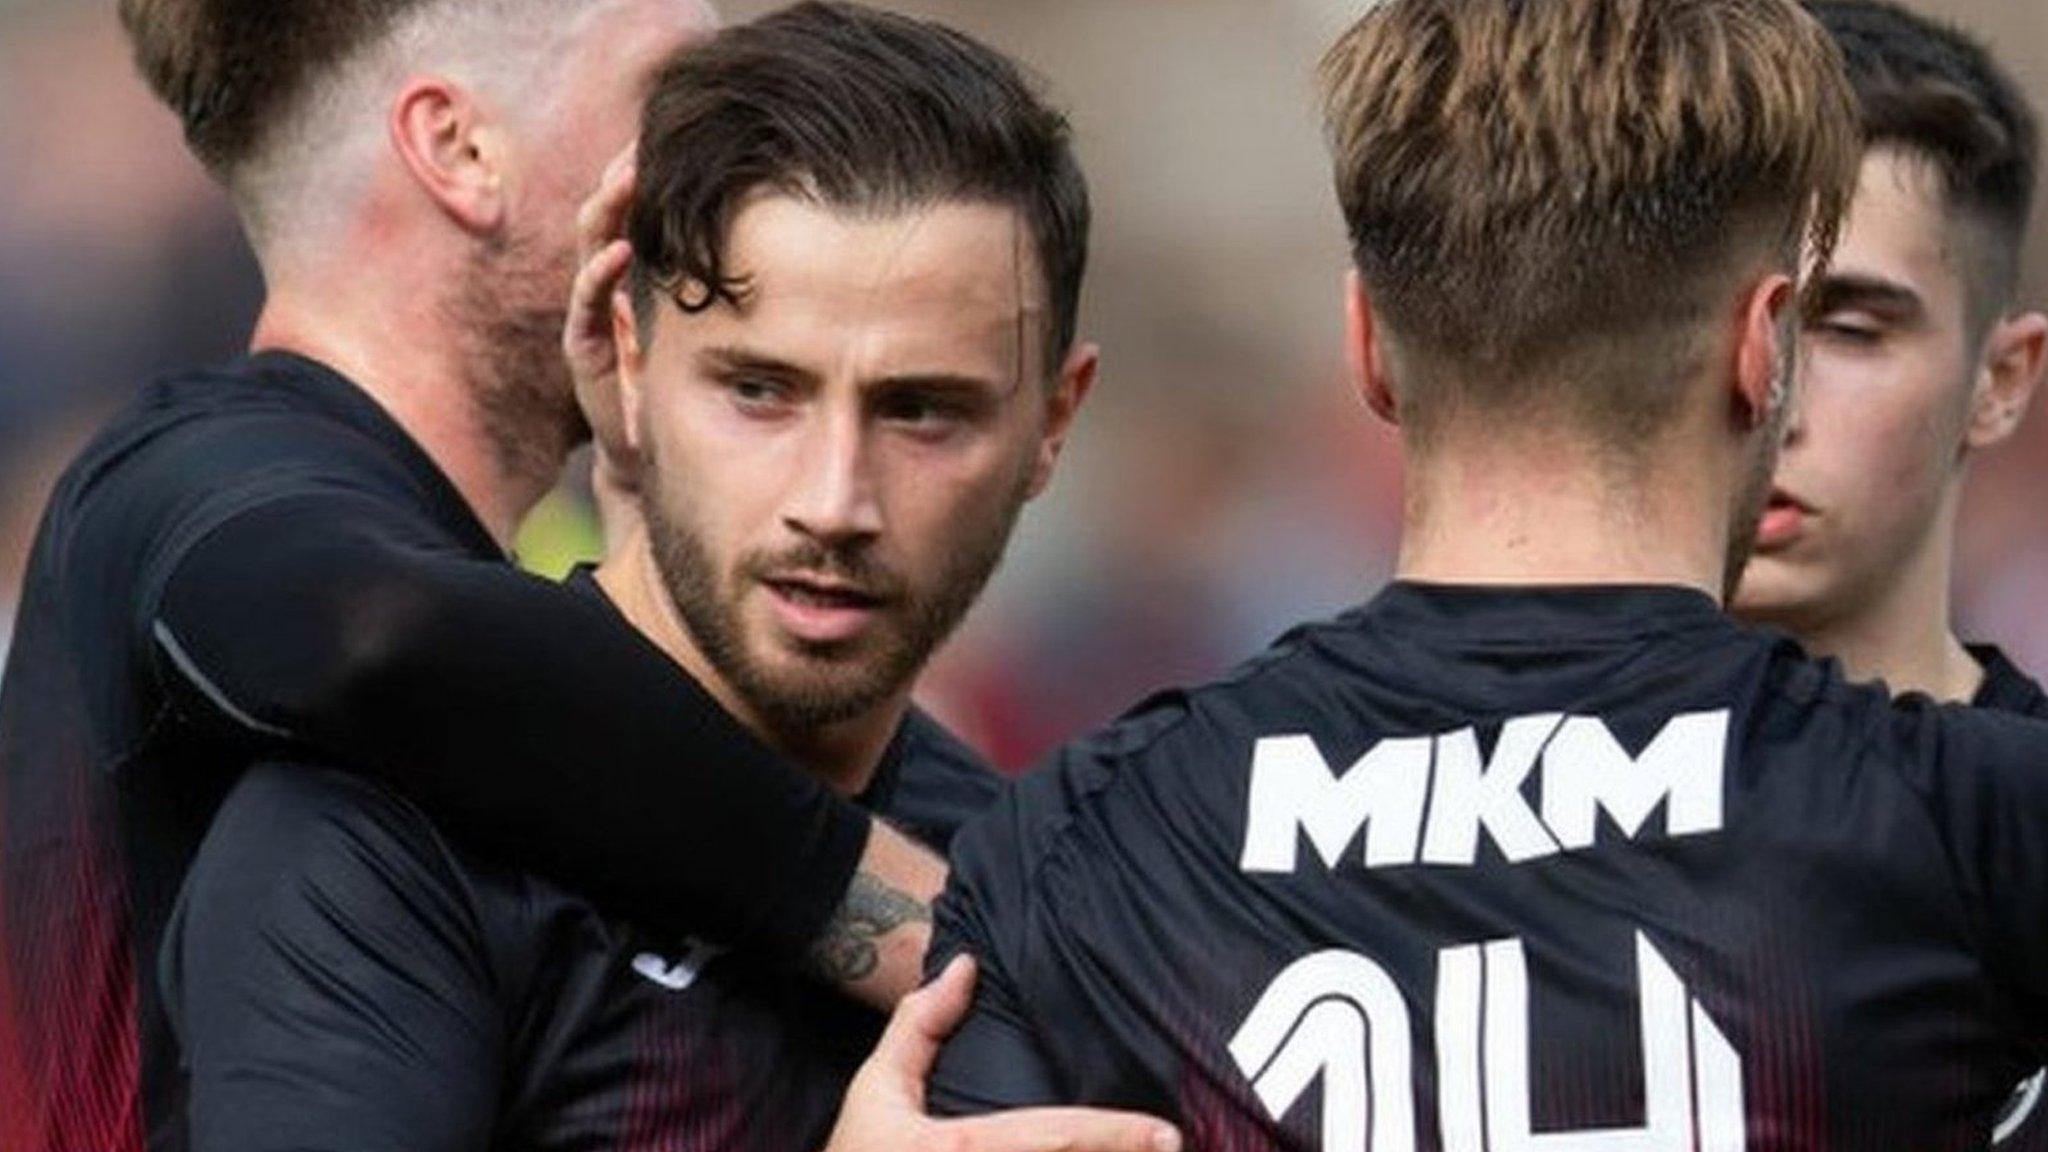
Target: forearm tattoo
{"x":848,"y":950}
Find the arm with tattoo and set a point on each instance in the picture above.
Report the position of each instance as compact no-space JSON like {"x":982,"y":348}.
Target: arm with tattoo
{"x":873,"y":946}
{"x":850,"y":949}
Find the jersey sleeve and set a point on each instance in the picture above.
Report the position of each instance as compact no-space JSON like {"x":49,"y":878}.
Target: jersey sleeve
{"x":1983,"y":777}
{"x":329,"y":977}
{"x":328,"y":616}
{"x":1034,"y":1036}
{"x":992,"y":1061}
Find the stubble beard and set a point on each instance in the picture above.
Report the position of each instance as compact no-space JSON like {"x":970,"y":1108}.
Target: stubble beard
{"x":829,"y":684}
{"x":511,"y":308}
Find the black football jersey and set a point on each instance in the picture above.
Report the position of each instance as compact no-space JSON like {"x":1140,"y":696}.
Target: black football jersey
{"x":255,"y":562}
{"x":2023,"y":1124}
{"x":1559,"y":870}
{"x":342,"y":978}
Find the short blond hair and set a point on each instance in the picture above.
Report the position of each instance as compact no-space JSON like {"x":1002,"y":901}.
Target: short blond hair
{"x":1546,"y":190}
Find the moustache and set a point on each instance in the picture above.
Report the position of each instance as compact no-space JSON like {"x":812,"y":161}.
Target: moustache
{"x":852,"y":570}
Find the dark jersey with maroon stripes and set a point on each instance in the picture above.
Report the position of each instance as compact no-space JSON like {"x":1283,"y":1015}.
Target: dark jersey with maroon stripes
{"x":2023,"y":1125}
{"x":341,"y":978}
{"x":1562,"y":870}
{"x":256,"y":562}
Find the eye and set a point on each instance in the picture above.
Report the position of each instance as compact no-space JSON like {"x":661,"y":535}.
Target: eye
{"x":924,"y":412}
{"x":1851,"y":329}
{"x":759,"y":393}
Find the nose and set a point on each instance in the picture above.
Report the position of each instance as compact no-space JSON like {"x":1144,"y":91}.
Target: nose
{"x":834,"y":499}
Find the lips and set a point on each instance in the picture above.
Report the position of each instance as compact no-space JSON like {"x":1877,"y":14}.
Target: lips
{"x":824,"y":593}
{"x":821,"y":610}
{"x":1783,"y":522}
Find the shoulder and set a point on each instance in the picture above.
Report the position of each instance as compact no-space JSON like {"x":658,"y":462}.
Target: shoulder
{"x":941,"y":782}
{"x":2007,"y":688}
{"x":1811,"y":700}
{"x":205,"y":418}
{"x":1171,"y":768}
{"x":1971,"y":739}
{"x":1180,"y":741}
{"x":286,"y":831}
{"x":309,"y":865}
{"x":321,"y":905}
{"x":197,"y":447}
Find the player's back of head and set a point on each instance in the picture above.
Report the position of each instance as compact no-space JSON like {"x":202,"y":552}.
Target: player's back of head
{"x":228,"y":67}
{"x":1553,"y":192}
{"x":280,"y":98}
{"x":1929,"y":90}
{"x":858,"y":110}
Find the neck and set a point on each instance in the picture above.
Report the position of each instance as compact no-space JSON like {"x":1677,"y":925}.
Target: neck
{"x":844,"y":755}
{"x":1899,"y":632}
{"x":1533,"y":509}
{"x":420,"y":370}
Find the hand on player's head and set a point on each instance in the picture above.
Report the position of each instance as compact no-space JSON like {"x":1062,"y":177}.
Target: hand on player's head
{"x":885,"y":1105}
{"x":590,"y":344}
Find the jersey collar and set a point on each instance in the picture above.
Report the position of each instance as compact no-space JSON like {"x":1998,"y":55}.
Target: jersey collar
{"x":344,"y":400}
{"x":1538,"y":614}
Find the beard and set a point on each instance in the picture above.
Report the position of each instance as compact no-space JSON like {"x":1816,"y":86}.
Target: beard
{"x":511,"y":304}
{"x":805,"y":686}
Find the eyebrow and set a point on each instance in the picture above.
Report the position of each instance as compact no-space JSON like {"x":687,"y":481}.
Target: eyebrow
{"x":735,"y":359}
{"x":1876,"y":293}
{"x":940,"y":382}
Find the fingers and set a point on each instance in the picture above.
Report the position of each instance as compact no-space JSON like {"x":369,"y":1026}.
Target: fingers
{"x":590,"y":298}
{"x":1063,"y":1130}
{"x":602,"y":217}
{"x":921,"y":1023}
{"x":590,"y":349}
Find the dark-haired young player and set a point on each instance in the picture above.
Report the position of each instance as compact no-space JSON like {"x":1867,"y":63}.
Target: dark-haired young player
{"x":300,"y":555}
{"x":1916,"y":359}
{"x":1538,"y":850}
{"x":849,"y":363}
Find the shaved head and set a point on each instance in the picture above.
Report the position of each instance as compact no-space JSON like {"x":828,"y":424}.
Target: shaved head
{"x":285,"y":104}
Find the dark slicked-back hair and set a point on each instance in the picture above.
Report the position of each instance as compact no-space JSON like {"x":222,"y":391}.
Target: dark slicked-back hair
{"x":1931,"y":91}
{"x":856,"y":110}
{"x":1548,"y":198}
{"x":231,"y":68}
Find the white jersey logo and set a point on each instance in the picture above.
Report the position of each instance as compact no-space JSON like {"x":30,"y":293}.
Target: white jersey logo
{"x":1386,"y":793}
{"x":2019,"y":1107}
{"x":677,"y":976}
{"x":1339,"y":1016}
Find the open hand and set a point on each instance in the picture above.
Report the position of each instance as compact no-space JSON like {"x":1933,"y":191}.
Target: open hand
{"x":884,"y":1110}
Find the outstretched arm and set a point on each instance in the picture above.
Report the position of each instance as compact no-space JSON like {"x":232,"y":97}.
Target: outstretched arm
{"x":520,"y":715}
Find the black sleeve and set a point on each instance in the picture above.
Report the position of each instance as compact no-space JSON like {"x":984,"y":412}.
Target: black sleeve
{"x":992,"y":1061}
{"x":1983,"y":777}
{"x":329,"y":980}
{"x":334,"y":618}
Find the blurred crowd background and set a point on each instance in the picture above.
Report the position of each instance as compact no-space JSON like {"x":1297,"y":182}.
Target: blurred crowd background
{"x":1222,"y":483}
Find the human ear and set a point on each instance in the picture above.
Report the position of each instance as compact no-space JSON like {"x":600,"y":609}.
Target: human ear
{"x":2008,"y":373}
{"x":1364,"y":353}
{"x":1760,"y":378}
{"x":454,"y":151}
{"x":1077,"y":378}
